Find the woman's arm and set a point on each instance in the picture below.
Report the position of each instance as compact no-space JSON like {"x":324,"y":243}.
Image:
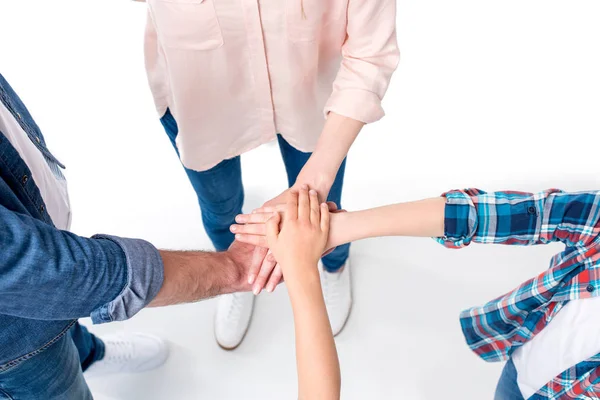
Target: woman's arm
{"x":335,"y":141}
{"x":370,"y":55}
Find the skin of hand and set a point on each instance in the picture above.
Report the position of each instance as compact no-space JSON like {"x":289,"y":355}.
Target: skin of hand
{"x":303,"y":233}
{"x":297,"y":239}
{"x":319,"y":172}
{"x":191,"y":276}
{"x":423,"y":218}
{"x":252,"y":230}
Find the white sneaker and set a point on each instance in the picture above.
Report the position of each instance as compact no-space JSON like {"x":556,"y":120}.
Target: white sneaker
{"x":337,"y":291}
{"x":232,"y":319}
{"x":127,"y":353}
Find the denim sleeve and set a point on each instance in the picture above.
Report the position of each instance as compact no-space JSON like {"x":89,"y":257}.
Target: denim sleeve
{"x":49,"y":274}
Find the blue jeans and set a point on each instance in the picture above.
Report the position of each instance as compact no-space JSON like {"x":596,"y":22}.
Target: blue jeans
{"x":57,"y":372}
{"x":221,"y":193}
{"x":507,"y":388}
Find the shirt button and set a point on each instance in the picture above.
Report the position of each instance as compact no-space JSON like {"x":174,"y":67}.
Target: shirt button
{"x":24,"y":179}
{"x":19,"y":115}
{"x":590,"y":288}
{"x":38,"y":139}
{"x":531,"y":210}
{"x":42,"y":208}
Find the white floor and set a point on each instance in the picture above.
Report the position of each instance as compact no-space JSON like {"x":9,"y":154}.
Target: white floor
{"x":497,"y":97}
{"x":403,"y":338}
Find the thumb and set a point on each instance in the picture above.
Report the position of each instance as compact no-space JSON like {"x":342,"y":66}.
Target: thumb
{"x":273,"y":228}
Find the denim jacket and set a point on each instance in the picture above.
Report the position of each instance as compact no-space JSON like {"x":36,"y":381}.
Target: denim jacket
{"x":49,"y":278}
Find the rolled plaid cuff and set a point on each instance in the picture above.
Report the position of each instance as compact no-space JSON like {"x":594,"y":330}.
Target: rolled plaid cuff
{"x":460,"y":218}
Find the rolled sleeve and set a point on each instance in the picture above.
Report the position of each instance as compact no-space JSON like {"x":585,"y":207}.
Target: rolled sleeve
{"x":361,"y":105}
{"x":370,"y":55}
{"x":145,"y":274}
{"x":460,"y":219}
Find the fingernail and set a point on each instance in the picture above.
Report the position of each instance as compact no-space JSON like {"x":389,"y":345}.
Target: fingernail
{"x":270,"y":289}
{"x":256,"y":291}
{"x":233,"y":228}
{"x":313,"y":192}
{"x":239,"y":218}
{"x":251,"y":279}
{"x":238,"y":236}
{"x":305,"y":187}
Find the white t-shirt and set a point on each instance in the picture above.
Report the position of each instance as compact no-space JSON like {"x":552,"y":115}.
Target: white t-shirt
{"x":52,"y":187}
{"x":571,"y":337}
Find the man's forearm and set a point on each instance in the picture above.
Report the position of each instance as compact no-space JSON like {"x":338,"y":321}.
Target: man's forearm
{"x":423,"y":218}
{"x":191,"y":276}
{"x":334,"y":143}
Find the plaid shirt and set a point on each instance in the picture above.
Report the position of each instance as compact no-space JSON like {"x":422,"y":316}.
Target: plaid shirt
{"x":496,"y":329}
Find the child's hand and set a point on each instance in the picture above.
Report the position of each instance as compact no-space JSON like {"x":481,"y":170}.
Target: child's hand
{"x":251,"y":228}
{"x":301,"y":239}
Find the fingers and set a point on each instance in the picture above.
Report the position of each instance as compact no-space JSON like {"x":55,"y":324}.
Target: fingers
{"x":250,"y":229}
{"x":291,"y":213}
{"x":261,"y":279}
{"x":272,"y":228}
{"x":324,"y":218}
{"x":258,"y":256}
{"x":256,"y":240}
{"x":270,"y":209}
{"x":255,"y":218}
{"x":332,"y":206}
{"x":275,"y":279}
{"x":303,"y":204}
{"x":315,"y":214}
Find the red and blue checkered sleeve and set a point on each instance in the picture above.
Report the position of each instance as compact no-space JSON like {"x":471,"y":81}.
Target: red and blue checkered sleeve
{"x":460,"y":218}
{"x":520,"y":218}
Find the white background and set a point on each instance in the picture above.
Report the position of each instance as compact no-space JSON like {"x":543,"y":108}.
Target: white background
{"x":496,"y":95}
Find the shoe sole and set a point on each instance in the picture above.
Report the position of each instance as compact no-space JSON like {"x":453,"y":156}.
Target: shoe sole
{"x":347,"y":318}
{"x":243,"y":336}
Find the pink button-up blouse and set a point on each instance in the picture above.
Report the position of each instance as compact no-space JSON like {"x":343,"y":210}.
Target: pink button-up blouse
{"x":234,"y":73}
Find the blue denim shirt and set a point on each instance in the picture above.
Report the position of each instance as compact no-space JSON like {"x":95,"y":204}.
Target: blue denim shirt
{"x":49,"y":278}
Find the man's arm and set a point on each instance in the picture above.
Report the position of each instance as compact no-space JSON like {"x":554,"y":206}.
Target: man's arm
{"x":193,"y":276}
{"x":46,"y":273}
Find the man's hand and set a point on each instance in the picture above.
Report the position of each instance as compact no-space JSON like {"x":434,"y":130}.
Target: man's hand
{"x":248,"y":261}
{"x":191,"y":276}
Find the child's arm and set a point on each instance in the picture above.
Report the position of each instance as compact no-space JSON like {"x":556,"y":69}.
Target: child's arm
{"x":464,"y":216}
{"x":298,"y":245}
{"x":419,"y":218}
